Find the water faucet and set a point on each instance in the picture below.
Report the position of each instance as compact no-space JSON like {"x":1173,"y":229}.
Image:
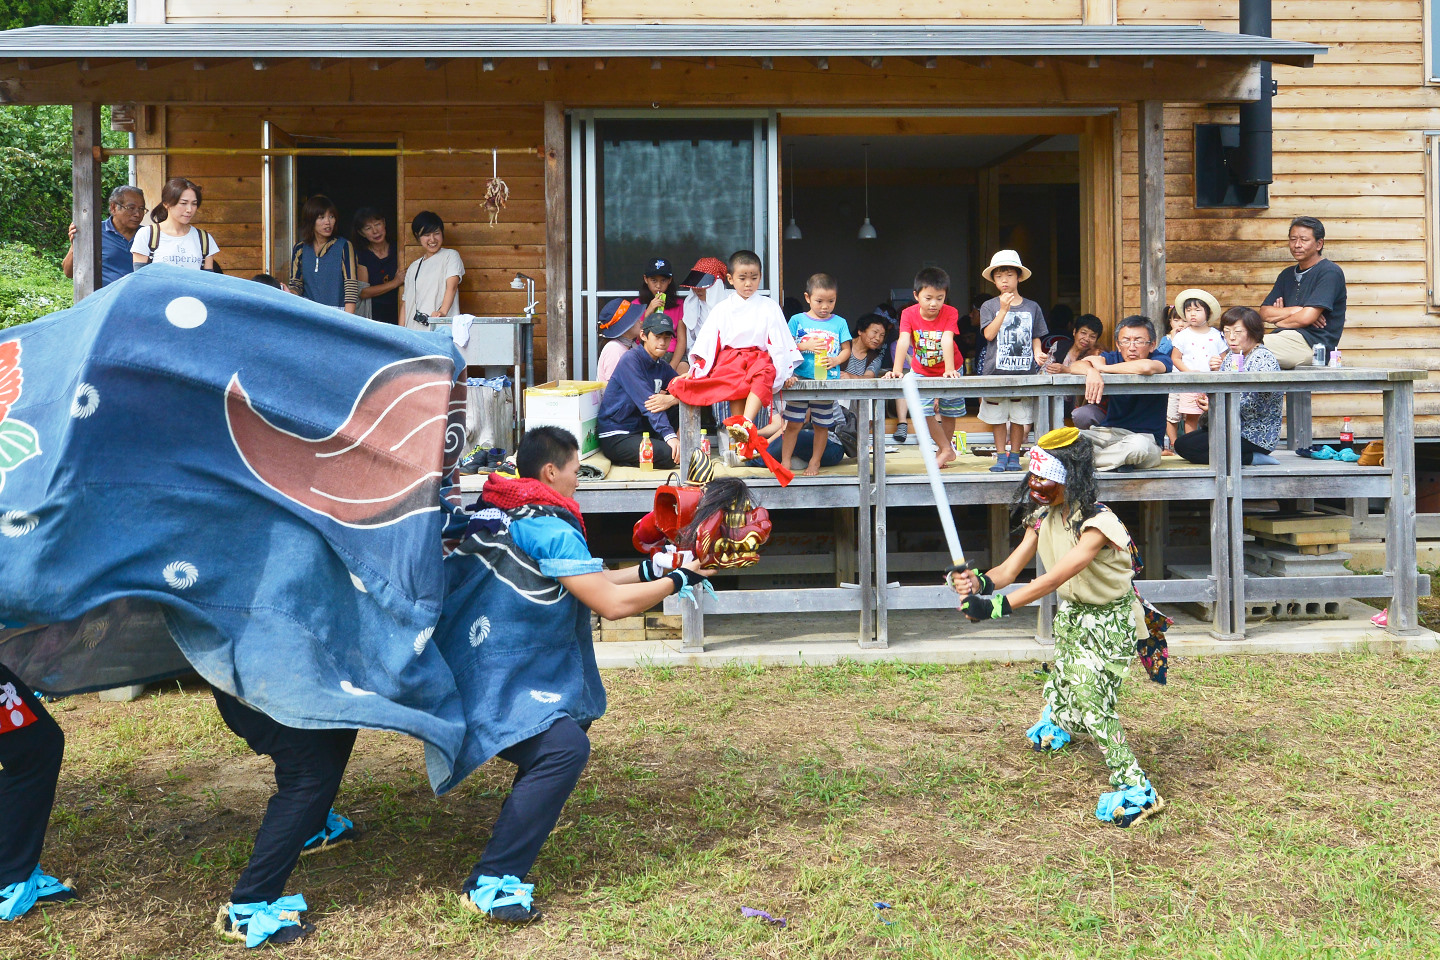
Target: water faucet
{"x":521,"y":282}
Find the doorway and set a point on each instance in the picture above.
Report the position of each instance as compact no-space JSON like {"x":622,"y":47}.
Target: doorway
{"x":350,"y":182}
{"x":947,"y":200}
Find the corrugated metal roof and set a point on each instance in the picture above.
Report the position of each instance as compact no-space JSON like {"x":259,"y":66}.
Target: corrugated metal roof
{"x":639,"y":40}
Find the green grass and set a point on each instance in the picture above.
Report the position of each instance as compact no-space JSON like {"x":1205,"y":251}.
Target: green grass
{"x":31,"y":286}
{"x":1303,"y":823}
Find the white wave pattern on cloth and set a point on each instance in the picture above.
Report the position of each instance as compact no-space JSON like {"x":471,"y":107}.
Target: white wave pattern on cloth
{"x":17,"y":523}
{"x":181,"y":574}
{"x":86,"y":401}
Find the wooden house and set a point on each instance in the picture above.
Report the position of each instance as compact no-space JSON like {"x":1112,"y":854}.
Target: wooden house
{"x":1086,"y":133}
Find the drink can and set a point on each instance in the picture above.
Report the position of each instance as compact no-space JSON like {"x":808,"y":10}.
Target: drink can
{"x":1320,"y":356}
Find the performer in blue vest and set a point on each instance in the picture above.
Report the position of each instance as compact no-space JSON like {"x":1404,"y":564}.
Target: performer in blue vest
{"x":526,"y":582}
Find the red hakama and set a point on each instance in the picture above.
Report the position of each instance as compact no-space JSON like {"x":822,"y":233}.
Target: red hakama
{"x":736,"y":375}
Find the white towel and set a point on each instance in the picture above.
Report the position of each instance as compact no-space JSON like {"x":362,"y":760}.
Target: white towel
{"x":460,"y":329}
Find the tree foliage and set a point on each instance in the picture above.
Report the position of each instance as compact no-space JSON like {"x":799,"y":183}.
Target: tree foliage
{"x":35,"y":141}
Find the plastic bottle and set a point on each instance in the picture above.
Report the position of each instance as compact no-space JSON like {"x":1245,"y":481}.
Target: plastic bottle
{"x":705,"y":444}
{"x":822,"y":365}
{"x":1335,"y":357}
{"x":1347,"y":435}
{"x":647,"y":452}
{"x":1319,"y":354}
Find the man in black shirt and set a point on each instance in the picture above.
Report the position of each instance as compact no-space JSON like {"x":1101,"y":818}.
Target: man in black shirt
{"x":1307,"y":304}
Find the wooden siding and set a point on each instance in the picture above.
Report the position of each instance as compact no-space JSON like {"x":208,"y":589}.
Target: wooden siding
{"x":620,"y":11}
{"x":1350,"y":149}
{"x":451,"y":186}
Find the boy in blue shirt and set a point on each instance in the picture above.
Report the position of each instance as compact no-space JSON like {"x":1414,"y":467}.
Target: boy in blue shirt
{"x":817,"y":332}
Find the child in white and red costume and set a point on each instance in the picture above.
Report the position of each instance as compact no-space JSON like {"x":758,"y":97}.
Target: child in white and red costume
{"x":743,"y":354}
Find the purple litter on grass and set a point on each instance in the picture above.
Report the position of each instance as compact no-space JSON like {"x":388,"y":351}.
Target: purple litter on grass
{"x":752,"y":912}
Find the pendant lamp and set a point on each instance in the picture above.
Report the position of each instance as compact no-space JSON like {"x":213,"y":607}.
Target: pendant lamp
{"x":792,"y":230}
{"x":867,"y":230}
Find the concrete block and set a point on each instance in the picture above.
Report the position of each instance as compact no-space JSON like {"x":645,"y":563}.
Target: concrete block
{"x":123,"y":694}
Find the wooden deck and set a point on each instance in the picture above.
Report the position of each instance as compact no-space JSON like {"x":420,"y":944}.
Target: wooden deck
{"x":871,"y":491}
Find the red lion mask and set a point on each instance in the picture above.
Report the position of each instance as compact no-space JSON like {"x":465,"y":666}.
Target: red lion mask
{"x":720,"y":523}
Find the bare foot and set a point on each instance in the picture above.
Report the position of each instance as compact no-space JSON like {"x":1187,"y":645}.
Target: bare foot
{"x":945,"y":458}
{"x":811,"y":471}
{"x":1167,"y":453}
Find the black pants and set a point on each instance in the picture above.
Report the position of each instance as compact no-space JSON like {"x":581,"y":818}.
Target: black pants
{"x":1195,"y":447}
{"x":548,"y":767}
{"x":29,"y":769}
{"x":308,"y":768}
{"x":624,"y":451}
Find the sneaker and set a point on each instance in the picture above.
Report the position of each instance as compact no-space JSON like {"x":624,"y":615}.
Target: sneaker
{"x":902,"y":432}
{"x":474,"y":461}
{"x":337,"y":830}
{"x":1129,"y":806}
{"x":283,"y":922}
{"x":502,"y":899}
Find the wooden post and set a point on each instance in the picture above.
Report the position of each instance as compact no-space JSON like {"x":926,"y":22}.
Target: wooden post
{"x":882,"y":526}
{"x":557,"y":246}
{"x":1236,"y":506}
{"x":692,"y":615}
{"x":1222,"y":625}
{"x":864,"y":529}
{"x":1400,"y":547}
{"x":1151,"y":115}
{"x":86,"y":209}
{"x":1154,"y":516}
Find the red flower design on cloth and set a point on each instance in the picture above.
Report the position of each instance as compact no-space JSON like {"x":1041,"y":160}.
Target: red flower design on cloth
{"x":712,"y":266}
{"x":10,"y":377}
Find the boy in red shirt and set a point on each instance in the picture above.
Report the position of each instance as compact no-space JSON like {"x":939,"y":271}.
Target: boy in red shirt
{"x":931,"y":325}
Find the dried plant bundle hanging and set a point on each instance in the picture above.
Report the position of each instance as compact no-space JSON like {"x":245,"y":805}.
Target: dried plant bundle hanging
{"x":497,"y":191}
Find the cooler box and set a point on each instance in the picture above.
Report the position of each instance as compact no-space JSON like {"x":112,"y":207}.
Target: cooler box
{"x":572,"y":404}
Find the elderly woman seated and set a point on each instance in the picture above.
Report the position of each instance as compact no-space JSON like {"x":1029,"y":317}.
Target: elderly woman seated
{"x":1259,"y":410}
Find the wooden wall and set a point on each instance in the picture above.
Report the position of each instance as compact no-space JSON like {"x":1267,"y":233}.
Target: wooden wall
{"x":449,"y":185}
{"x":622,"y":11}
{"x":1349,"y":148}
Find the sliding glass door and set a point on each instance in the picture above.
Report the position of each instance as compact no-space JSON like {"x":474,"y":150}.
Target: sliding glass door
{"x":653,"y":184}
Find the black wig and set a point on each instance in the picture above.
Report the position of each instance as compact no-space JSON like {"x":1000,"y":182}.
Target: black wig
{"x":722,"y":493}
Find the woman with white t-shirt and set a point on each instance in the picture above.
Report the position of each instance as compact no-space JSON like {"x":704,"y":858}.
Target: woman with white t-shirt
{"x":171,"y":238}
{"x":432,"y":283}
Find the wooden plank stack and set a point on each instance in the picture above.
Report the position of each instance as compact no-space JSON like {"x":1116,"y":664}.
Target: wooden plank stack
{"x":1309,"y":534}
{"x":650,"y":626}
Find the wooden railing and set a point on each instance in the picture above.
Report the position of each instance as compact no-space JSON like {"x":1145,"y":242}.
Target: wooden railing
{"x":1223,"y":482}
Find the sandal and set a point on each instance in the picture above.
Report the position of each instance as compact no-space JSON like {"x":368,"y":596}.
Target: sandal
{"x":337,"y":830}
{"x":1045,"y":735}
{"x":257,"y":924}
{"x":16,"y":899}
{"x":1129,"y":806}
{"x":503,"y":899}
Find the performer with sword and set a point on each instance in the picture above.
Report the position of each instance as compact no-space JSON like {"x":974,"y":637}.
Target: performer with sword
{"x":1087,"y":555}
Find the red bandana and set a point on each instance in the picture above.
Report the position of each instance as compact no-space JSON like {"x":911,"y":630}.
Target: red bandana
{"x":508,"y":494}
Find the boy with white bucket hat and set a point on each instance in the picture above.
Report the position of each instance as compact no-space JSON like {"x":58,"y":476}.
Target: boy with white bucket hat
{"x":1013,"y":325}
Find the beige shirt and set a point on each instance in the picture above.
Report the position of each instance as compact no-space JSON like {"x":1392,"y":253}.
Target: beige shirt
{"x":1106,"y":578}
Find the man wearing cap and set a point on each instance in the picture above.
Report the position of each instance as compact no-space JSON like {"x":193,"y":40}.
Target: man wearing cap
{"x":619,"y":325}
{"x":635,"y":400}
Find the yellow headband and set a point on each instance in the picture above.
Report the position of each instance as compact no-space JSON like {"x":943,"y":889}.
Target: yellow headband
{"x":1056,"y":439}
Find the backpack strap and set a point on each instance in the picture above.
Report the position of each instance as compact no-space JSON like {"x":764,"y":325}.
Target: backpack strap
{"x":204,"y":244}
{"x":154,"y":243}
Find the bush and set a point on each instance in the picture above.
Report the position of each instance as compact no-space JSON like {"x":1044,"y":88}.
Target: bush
{"x":31,"y":286}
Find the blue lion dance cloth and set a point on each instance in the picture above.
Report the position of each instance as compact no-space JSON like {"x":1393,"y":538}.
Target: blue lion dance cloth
{"x":201,"y":471}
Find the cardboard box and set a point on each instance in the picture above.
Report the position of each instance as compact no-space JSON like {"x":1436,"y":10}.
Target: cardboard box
{"x":572,"y":404}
